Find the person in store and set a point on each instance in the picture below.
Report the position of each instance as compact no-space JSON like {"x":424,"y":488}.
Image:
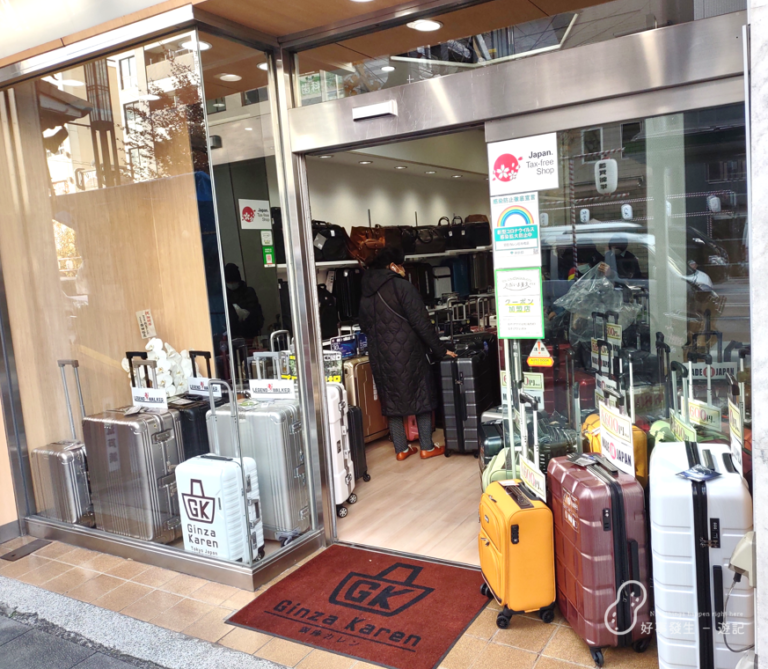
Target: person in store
{"x":622,"y":262}
{"x":400,"y":336}
{"x":245,"y":316}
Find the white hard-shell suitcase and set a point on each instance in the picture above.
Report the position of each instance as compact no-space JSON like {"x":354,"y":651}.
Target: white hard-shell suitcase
{"x":60,"y":472}
{"x":695,"y":526}
{"x":341,"y":453}
{"x":211,"y":502}
{"x":270,"y":433}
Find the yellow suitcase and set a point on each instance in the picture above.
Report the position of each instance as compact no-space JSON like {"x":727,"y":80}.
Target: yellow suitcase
{"x":517,"y":551}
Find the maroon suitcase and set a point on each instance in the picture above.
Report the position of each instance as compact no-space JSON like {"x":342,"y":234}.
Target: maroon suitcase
{"x":601,"y":552}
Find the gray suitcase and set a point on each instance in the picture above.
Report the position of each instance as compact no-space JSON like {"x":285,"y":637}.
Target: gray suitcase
{"x":59,"y":470}
{"x":132,"y":458}
{"x":270,"y":433}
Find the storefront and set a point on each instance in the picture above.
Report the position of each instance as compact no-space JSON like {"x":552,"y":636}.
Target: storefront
{"x":158,"y":175}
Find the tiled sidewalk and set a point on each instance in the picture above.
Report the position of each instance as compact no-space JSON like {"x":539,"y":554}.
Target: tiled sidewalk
{"x":197,"y":607}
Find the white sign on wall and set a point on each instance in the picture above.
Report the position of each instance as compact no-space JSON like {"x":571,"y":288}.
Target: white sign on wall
{"x":515,"y":220}
{"x":523,"y":165}
{"x":255,"y":215}
{"x":519,"y":303}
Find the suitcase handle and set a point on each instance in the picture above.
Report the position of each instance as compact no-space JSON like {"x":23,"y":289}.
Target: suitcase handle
{"x":634,"y":565}
{"x":233,"y":414}
{"x":275,"y":335}
{"x":149,"y":364}
{"x":75,"y":365}
{"x":130,"y":355}
{"x":201,"y":354}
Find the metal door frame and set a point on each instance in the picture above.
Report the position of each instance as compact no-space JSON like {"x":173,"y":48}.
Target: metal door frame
{"x":674,"y":69}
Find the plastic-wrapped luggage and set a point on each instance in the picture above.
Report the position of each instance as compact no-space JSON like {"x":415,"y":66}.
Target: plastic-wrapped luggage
{"x":60,"y":472}
{"x":341,"y":453}
{"x":601,"y":552}
{"x":695,"y":526}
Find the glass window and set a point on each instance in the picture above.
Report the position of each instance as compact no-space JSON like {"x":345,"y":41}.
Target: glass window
{"x":128,"y":73}
{"x":216,"y":105}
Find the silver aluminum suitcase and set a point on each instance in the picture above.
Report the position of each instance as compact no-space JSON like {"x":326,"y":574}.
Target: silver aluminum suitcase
{"x":132,"y":458}
{"x":59,"y":470}
{"x":270,"y":433}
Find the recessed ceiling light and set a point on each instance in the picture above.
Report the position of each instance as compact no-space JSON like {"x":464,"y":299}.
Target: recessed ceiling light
{"x":230,"y":77}
{"x":149,"y":97}
{"x":388,"y":68}
{"x":249,"y":129}
{"x":263,"y":66}
{"x":457,"y":176}
{"x":191,"y":45}
{"x":401,"y":167}
{"x":425,"y":25}
{"x":71,"y":82}
{"x":364,"y":162}
{"x":324,"y":157}
{"x":430,"y":172}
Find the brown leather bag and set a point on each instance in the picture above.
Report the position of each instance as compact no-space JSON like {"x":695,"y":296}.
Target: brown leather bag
{"x":365,"y":242}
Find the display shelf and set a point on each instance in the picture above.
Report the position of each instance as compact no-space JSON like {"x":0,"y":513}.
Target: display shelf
{"x":332,"y":264}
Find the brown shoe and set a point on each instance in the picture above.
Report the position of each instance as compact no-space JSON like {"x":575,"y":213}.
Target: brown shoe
{"x":436,"y":450}
{"x":405,"y":454}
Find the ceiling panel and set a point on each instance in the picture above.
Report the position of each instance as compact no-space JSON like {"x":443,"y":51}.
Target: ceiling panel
{"x":226,"y":57}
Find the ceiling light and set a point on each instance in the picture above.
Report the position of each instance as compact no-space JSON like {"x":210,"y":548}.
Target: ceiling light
{"x":70,"y":82}
{"x":149,"y":97}
{"x":401,"y":167}
{"x":324,"y":157}
{"x":430,"y":172}
{"x":191,"y":45}
{"x":263,"y":66}
{"x":363,"y":162}
{"x":249,"y":129}
{"x":230,"y":77}
{"x":457,"y":176}
{"x":388,"y":68}
{"x":425,"y":25}
{"x":219,"y":105}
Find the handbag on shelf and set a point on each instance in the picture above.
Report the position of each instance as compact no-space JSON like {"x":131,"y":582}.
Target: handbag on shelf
{"x":365,"y":242}
{"x":408,"y":236}
{"x":329,"y":241}
{"x":429,"y":239}
{"x":477,"y":230}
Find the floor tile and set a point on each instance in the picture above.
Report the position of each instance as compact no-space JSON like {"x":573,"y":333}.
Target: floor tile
{"x":37,"y":649}
{"x":484,"y":626}
{"x":464,"y":653}
{"x":552,"y":663}
{"x":567,"y":645}
{"x":283,"y":652}
{"x":100,"y":661}
{"x":22,"y":566}
{"x":124,"y":595}
{"x":45,"y":573}
{"x":94,"y":588}
{"x":128,"y":569}
{"x":70,"y":580}
{"x":54,"y":550}
{"x":103,"y":563}
{"x":496,"y":655}
{"x":13,"y":544}
{"x":10,"y":629}
{"x":322,"y":659}
{"x":154,"y":577}
{"x":211,"y":627}
{"x":77,"y":557}
{"x":150,"y":606}
{"x":186,"y":612}
{"x":239,"y":600}
{"x":526,"y":633}
{"x":626,"y":658}
{"x":214,"y":593}
{"x":185,"y":585}
{"x":246,"y":641}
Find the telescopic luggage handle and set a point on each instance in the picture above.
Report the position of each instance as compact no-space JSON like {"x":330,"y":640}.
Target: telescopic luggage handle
{"x":201,"y":354}
{"x":75,"y":365}
{"x":595,"y":316}
{"x":275,"y":335}
{"x":130,"y":355}
{"x":706,"y":358}
{"x":148,"y":364}
{"x":235,"y":436}
{"x":604,"y":343}
{"x":676,"y":368}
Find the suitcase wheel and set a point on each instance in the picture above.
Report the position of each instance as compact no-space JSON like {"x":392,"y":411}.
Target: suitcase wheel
{"x":597,"y":656}
{"x":641,"y":645}
{"x":352,"y":498}
{"x":485,"y":591}
{"x":547,"y":614}
{"x":366,"y":477}
{"x":502,"y":620}
{"x":262,"y":552}
{"x":342,"y":511}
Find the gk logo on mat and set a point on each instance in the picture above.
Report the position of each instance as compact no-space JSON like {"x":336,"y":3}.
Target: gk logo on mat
{"x":199,"y":508}
{"x":387,"y":593}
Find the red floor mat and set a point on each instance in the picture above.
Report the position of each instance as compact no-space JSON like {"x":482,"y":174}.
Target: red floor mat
{"x":401,"y":613}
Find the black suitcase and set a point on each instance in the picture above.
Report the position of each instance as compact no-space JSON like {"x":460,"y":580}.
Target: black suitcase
{"x":329,"y":312}
{"x":470,"y":386}
{"x":357,"y":443}
{"x":285,"y":305}
{"x":278,"y":238}
{"x":347,"y":289}
{"x":481,"y":277}
{"x":421,"y":275}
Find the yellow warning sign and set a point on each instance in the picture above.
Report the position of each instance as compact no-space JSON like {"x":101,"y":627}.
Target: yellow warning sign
{"x":539,"y":356}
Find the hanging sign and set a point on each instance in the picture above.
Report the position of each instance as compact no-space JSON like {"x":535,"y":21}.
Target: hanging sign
{"x":533,"y":478}
{"x":616,"y":438}
{"x":519,"y":303}
{"x":523,"y":165}
{"x":701,"y":413}
{"x":540,"y":356}
{"x":198,"y":385}
{"x":515,"y":220}
{"x":681,"y":430}
{"x":533,"y":384}
{"x":333,"y":366}
{"x":272,"y":389}
{"x":150,"y":398}
{"x":737,"y":436}
{"x":255,"y":214}
{"x":613,"y":334}
{"x":146,"y":324}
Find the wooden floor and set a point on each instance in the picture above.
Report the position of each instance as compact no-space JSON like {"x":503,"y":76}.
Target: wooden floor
{"x":424,"y":507}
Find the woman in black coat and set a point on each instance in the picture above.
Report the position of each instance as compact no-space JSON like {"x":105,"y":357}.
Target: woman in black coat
{"x":400,"y":335}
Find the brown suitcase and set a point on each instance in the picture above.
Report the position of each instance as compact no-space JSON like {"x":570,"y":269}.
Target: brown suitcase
{"x":361,"y":392}
{"x":601,"y":552}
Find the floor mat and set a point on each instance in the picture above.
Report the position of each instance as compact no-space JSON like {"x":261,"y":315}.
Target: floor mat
{"x":390,"y":610}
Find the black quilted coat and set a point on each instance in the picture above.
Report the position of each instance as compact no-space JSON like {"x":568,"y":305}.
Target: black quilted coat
{"x":393,"y":316}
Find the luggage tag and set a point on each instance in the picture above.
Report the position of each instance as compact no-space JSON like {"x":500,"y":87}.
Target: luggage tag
{"x":582,"y":460}
{"x":699,"y":473}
